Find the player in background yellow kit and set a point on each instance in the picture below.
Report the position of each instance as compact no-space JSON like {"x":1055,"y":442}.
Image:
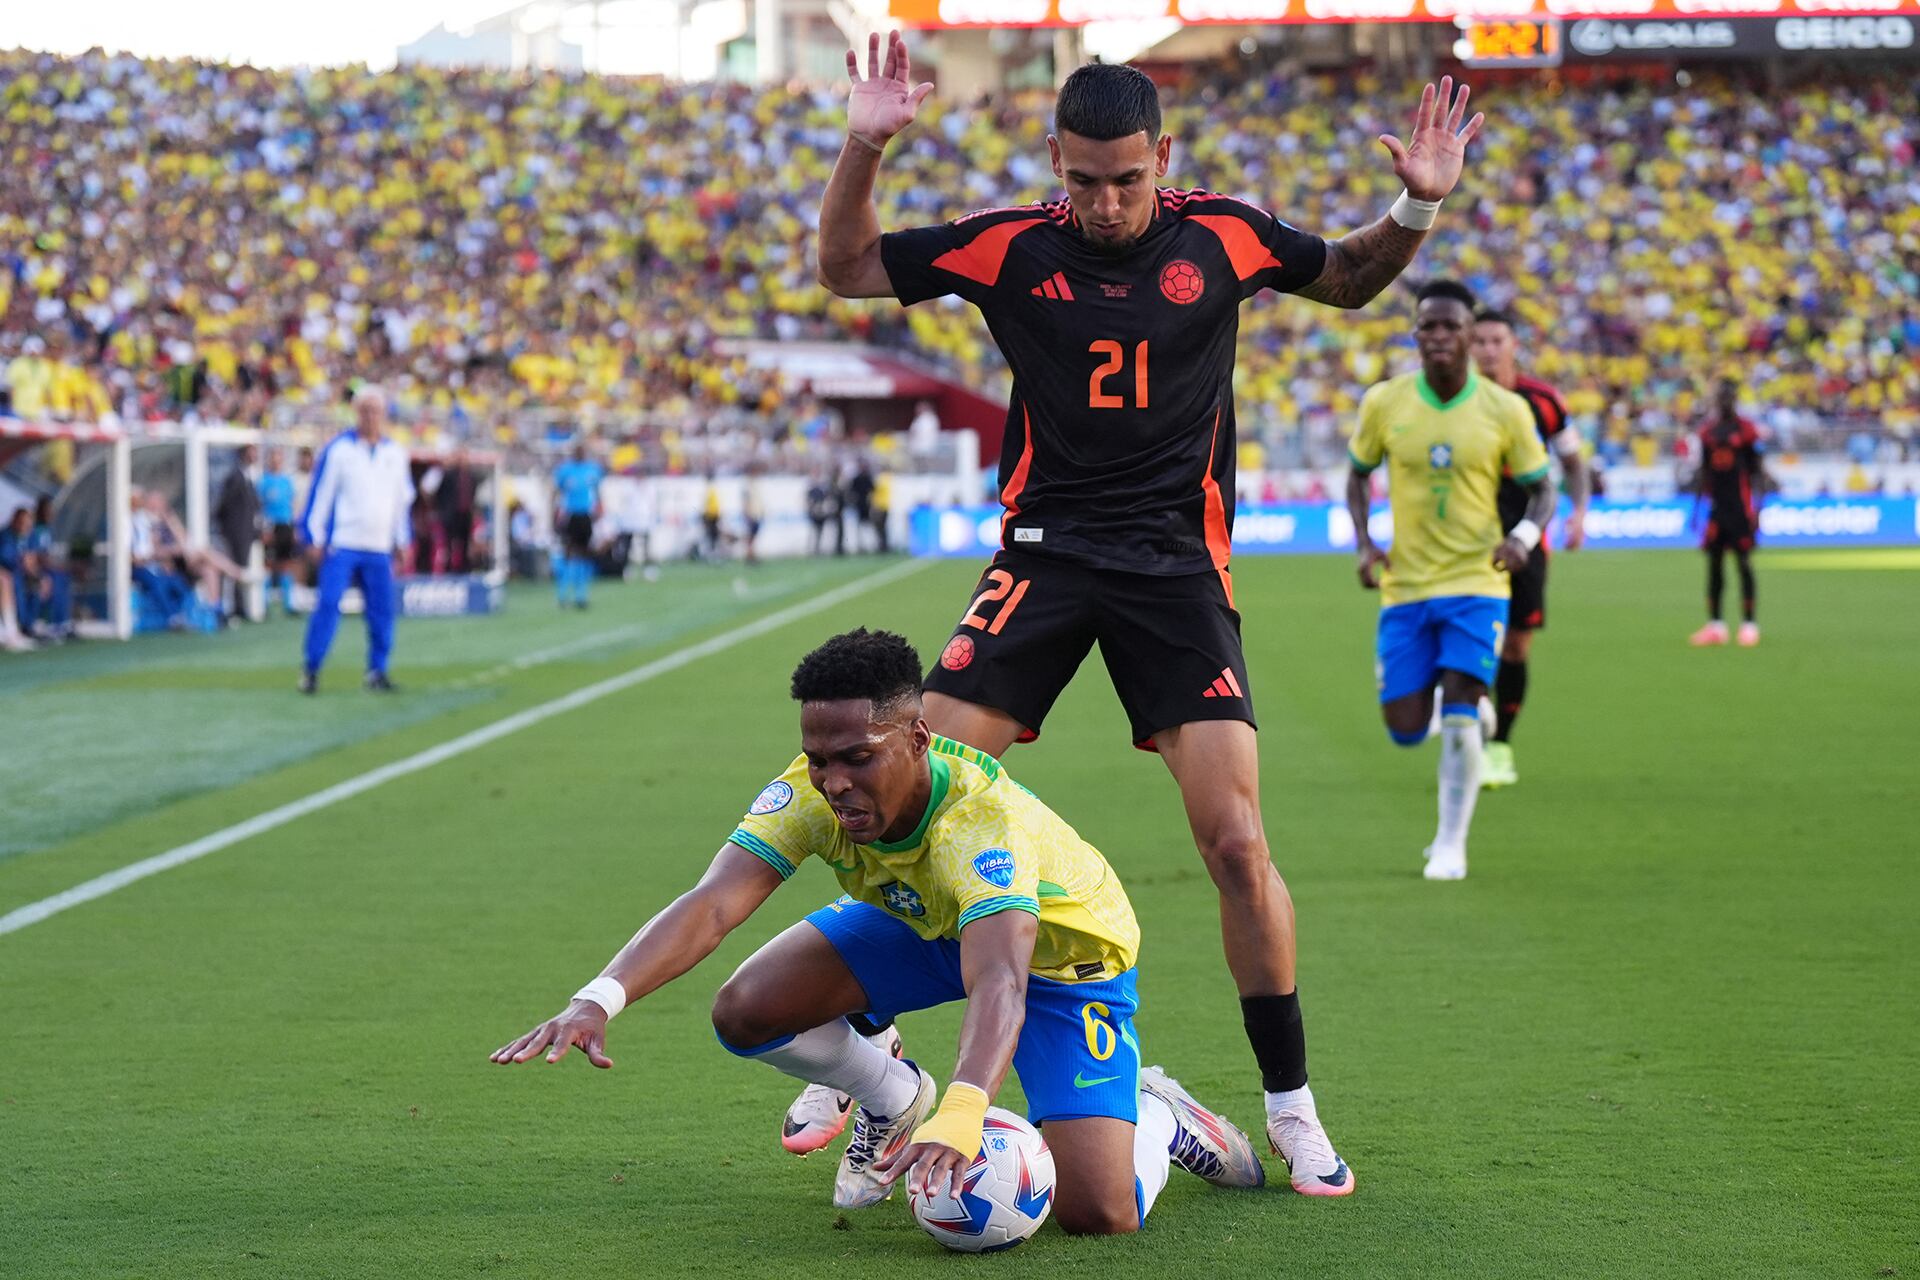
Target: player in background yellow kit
{"x":959,"y":885}
{"x":1446,"y":435}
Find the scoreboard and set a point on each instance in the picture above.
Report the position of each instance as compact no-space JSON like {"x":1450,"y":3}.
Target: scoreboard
{"x":1508,"y":42}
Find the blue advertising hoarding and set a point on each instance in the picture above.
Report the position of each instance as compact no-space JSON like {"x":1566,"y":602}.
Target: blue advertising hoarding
{"x":1295,"y":527}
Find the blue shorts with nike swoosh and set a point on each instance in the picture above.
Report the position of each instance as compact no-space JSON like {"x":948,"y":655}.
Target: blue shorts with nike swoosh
{"x":1078,"y":1054}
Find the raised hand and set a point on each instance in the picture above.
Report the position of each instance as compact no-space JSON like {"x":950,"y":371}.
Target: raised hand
{"x":884,"y":103}
{"x":1429,"y":163}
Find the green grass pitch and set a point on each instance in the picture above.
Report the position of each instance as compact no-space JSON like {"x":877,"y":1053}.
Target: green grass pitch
{"x":1669,"y":1027}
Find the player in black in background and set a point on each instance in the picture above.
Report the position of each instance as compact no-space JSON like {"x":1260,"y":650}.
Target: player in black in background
{"x":1731,"y":478}
{"x":1117,"y":308}
{"x":1496,"y":350}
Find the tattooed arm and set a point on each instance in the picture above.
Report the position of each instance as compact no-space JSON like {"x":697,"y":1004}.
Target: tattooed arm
{"x":1362,"y":263}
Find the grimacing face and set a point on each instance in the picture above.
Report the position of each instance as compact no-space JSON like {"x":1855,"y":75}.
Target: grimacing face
{"x":1111,"y":184}
{"x":1495,"y":350}
{"x":868,"y":763}
{"x":1443,"y":328}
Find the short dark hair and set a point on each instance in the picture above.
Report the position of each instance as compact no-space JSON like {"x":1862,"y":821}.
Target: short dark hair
{"x":1108,"y":100}
{"x":1445,"y":289}
{"x":1493,"y":315}
{"x":876,"y":665}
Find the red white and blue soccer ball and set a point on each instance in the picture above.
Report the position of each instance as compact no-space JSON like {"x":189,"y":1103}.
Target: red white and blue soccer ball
{"x":1007,"y":1193}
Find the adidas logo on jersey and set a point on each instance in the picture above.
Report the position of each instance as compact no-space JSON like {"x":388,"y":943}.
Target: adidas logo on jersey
{"x":1055,"y":288}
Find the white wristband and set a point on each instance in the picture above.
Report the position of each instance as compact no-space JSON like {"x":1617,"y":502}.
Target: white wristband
{"x":1414,"y":215}
{"x":606,"y":993}
{"x":1528,"y":533}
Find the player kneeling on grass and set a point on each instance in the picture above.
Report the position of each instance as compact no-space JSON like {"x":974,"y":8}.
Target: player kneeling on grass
{"x":960,"y":885}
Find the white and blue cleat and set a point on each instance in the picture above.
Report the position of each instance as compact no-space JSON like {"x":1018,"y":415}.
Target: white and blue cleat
{"x":1206,"y":1145}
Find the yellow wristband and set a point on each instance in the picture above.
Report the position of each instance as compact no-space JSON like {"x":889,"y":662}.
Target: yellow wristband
{"x":959,"y":1122}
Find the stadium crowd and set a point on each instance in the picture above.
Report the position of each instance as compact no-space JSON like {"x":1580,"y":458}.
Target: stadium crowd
{"x":183,"y":240}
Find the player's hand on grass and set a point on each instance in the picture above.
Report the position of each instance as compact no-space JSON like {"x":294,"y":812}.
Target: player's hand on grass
{"x":1430,"y":161}
{"x":1372,"y":562}
{"x":1511,"y":556}
{"x":929,"y":1167}
{"x":884,"y":103}
{"x":584,"y":1024}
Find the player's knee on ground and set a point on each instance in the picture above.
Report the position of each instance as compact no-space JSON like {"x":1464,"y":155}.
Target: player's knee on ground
{"x":742,"y":1016}
{"x":1092,"y":1217}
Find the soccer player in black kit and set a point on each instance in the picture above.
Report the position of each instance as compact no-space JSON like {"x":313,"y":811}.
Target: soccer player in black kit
{"x":1496,"y":350}
{"x":1731,"y":478}
{"x":1117,"y":308}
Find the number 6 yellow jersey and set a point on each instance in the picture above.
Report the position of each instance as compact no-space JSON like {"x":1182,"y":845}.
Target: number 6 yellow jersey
{"x":986,"y":844}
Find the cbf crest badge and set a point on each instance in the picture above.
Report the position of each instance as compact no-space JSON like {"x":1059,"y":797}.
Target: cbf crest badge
{"x":902,"y":900}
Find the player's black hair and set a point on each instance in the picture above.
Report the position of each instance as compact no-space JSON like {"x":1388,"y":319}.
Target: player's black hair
{"x":876,"y":665}
{"x":1107,"y":100}
{"x":1446,"y":289}
{"x":1493,"y":315}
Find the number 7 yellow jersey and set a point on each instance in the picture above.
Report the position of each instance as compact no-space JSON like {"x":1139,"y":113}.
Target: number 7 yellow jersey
{"x":1444,"y":462}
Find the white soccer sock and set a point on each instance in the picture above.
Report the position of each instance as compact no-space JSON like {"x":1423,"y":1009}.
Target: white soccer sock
{"x":1459,"y":777}
{"x":1298,"y":1101}
{"x":1152,"y":1141}
{"x":840,"y":1058}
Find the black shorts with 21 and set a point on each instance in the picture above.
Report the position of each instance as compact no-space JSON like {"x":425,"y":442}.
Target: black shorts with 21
{"x":1171,"y":643}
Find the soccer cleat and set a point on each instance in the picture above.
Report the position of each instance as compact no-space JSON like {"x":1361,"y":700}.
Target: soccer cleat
{"x":875,"y":1138}
{"x":1749,"y":634}
{"x":377,"y":682}
{"x":1713,"y":633}
{"x":1204,"y":1144}
{"x":1445,"y":864}
{"x":1496,"y":766}
{"x":1315,"y":1168}
{"x":309,"y":682}
{"x":819,"y":1114}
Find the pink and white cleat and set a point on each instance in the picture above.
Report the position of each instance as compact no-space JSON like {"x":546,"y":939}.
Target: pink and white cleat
{"x":1713,"y":633}
{"x":819,"y":1114}
{"x":1316,"y":1169}
{"x":1749,"y":634}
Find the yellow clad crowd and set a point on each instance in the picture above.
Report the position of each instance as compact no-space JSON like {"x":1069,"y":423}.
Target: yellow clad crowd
{"x":501,"y":252}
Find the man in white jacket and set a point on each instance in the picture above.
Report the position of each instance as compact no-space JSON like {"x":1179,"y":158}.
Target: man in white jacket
{"x":356,"y":518}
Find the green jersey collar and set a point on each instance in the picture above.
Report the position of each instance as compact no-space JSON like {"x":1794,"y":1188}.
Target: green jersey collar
{"x":942,"y":778}
{"x":1432,"y":397}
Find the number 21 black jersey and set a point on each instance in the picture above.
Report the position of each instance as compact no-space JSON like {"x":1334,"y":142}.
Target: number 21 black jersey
{"x":1120,"y":442}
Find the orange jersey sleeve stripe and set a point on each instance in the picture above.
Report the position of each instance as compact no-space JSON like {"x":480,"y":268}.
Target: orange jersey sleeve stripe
{"x":981,"y":258}
{"x":1249,"y":255}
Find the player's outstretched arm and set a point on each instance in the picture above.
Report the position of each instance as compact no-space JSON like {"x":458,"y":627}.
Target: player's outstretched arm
{"x":995,"y":954}
{"x":1362,"y":263}
{"x":1360,"y":511}
{"x":1511,"y":555}
{"x":880,"y":106}
{"x":680,"y":937}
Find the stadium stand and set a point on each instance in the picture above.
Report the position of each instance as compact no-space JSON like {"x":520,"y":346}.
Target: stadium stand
{"x":199,"y":242}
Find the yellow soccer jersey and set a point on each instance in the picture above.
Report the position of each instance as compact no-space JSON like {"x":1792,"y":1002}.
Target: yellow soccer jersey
{"x":985,"y":845}
{"x":1444,"y":462}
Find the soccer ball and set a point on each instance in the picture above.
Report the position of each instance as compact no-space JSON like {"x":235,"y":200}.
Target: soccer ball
{"x":1008,"y":1191}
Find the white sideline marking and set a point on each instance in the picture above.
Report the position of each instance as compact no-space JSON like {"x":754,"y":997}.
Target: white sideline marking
{"x":100,"y":886}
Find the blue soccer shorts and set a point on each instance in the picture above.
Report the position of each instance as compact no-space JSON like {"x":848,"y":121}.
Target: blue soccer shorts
{"x":1078,"y":1055}
{"x":1420,"y":639}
